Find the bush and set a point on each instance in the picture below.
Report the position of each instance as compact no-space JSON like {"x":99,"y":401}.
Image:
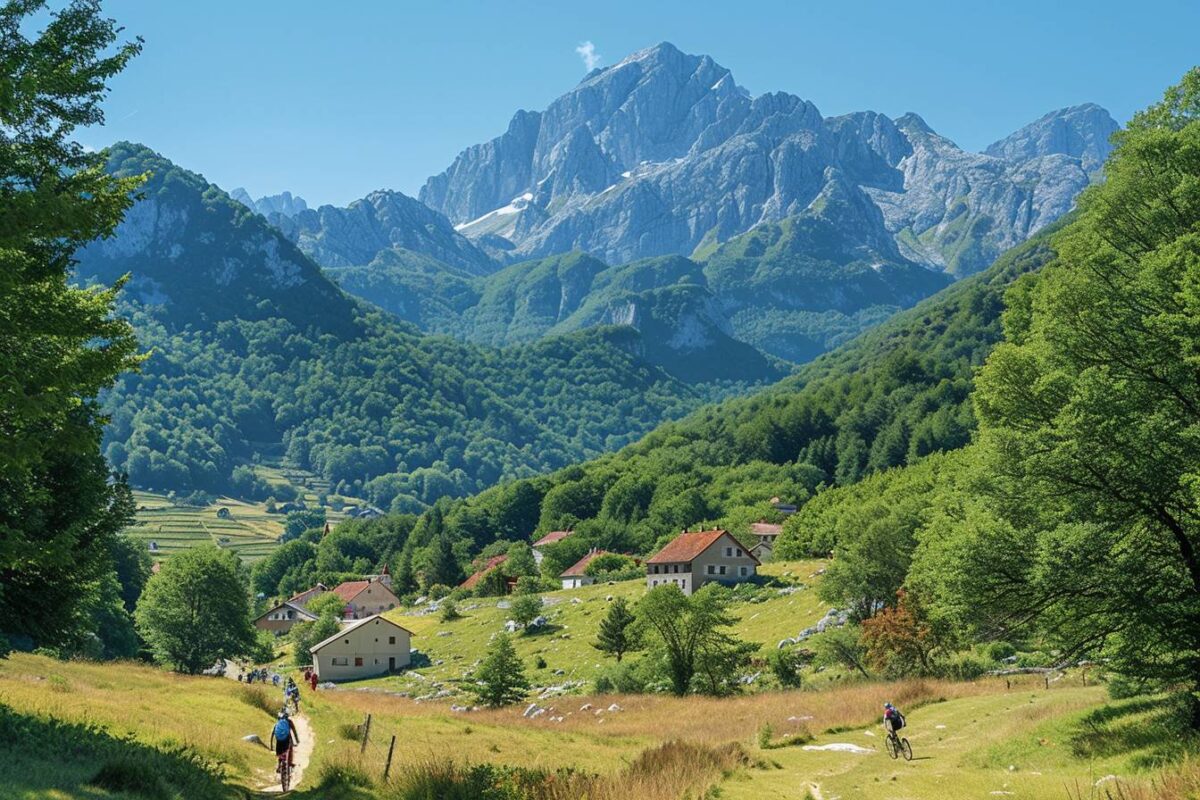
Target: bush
{"x":539,"y":663}
{"x":965,"y":667}
{"x":450,"y":610}
{"x":438,"y":590}
{"x":622,"y":678}
{"x":998,"y":651}
{"x":526,"y":608}
{"x":1121,"y":687}
{"x":263,"y":651}
{"x":337,"y":775}
{"x":785,"y":666}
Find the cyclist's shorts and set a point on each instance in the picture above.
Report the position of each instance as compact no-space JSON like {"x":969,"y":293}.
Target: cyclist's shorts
{"x":281,"y":746}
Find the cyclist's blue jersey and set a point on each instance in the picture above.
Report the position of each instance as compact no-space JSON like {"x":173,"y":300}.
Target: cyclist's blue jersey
{"x":283,"y":730}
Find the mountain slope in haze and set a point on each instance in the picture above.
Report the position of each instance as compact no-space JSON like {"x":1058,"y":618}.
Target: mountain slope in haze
{"x":891,"y":396}
{"x":284,"y":203}
{"x":253,"y":350}
{"x":384,"y":220}
{"x":663,"y":152}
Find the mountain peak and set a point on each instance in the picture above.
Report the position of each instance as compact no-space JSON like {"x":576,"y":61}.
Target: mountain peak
{"x":1081,"y":131}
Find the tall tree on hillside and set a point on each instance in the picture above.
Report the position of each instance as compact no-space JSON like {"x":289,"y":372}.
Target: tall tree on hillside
{"x":692,"y":634}
{"x":59,"y":345}
{"x":195,"y":611}
{"x":617,"y":634}
{"x":1090,"y":417}
{"x":500,"y":679}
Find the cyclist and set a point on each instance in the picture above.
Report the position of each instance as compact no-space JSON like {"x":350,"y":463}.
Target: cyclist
{"x":893,"y":720}
{"x":284,"y":735}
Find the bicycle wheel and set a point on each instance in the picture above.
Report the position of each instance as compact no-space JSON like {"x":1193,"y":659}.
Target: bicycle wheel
{"x":285,"y":776}
{"x":892,"y":746}
{"x":907,"y":749}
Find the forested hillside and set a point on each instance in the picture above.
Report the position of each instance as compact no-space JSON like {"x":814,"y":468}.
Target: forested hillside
{"x":253,"y":351}
{"x":892,"y":396}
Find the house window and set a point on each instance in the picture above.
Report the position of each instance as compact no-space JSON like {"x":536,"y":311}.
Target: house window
{"x":358,"y":661}
{"x":728,"y":552}
{"x":676,"y":569}
{"x":340,"y":661}
{"x":739,"y":552}
{"x":722,"y":568}
{"x":391,"y":640}
{"x":742,"y":571}
{"x":654,"y":583}
{"x":712,"y":570}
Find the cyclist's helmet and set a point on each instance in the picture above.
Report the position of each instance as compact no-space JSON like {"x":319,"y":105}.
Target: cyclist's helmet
{"x":283,"y":714}
{"x":887,"y":705}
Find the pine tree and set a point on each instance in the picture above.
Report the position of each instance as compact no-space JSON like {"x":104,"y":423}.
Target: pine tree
{"x":617,"y":636}
{"x":500,"y":679}
{"x":443,"y":566}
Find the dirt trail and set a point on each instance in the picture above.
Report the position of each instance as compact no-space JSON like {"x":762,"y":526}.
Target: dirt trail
{"x":303,"y":755}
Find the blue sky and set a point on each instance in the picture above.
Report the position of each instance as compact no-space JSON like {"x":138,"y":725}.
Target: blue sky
{"x":333,"y":100}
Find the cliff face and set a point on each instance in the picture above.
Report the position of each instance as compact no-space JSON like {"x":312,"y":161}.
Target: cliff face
{"x":664,"y":153}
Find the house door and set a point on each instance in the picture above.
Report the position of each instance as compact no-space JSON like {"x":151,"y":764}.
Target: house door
{"x":392,"y":664}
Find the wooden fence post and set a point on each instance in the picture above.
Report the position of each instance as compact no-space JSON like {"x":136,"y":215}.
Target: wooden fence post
{"x":1047,"y":677}
{"x":366,"y":734}
{"x":388,"y":766}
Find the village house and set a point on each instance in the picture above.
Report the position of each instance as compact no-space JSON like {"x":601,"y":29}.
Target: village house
{"x":576,"y":575}
{"x":695,"y":558}
{"x":362,"y":649}
{"x":474,"y":580}
{"x":302,"y":599}
{"x":366,"y":597}
{"x":280,"y":619}
{"x":553,"y":537}
{"x":782,"y":507}
{"x":764,"y":533}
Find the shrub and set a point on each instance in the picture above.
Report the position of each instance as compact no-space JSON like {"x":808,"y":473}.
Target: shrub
{"x":526,"y":608}
{"x":998,"y":651}
{"x":438,"y":590}
{"x":622,"y":678}
{"x":449,"y":610}
{"x":965,"y":667}
{"x":540,"y":663}
{"x":785,"y":666}
{"x":338,"y":775}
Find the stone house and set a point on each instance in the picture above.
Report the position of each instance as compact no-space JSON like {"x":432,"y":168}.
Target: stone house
{"x":366,"y":597}
{"x":764,"y":534}
{"x":576,"y":575}
{"x":695,"y":558}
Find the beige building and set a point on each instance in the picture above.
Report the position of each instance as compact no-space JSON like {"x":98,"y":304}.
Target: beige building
{"x":362,"y":649}
{"x":695,"y":558}
{"x":553,"y":537}
{"x":280,"y":619}
{"x":765,"y":533}
{"x":366,"y":598}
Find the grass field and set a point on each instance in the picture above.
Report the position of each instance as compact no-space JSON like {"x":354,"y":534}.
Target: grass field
{"x":113,"y":713}
{"x":971,"y":740}
{"x":453,"y":648}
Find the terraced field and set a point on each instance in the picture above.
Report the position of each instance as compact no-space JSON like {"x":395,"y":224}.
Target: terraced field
{"x":165,"y":528}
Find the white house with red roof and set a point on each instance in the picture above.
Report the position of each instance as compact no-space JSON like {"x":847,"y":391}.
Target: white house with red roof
{"x":553,"y":537}
{"x":576,"y":575}
{"x":694,"y":558}
{"x":365,"y":598}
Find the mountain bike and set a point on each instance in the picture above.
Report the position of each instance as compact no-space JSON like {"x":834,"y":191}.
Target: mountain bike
{"x":285,"y":769}
{"x":898,"y":746}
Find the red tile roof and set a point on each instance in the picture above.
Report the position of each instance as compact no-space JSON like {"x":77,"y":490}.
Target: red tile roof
{"x":688,"y":545}
{"x":552,"y":537}
{"x":491,"y":564}
{"x":765,"y":529}
{"x":577,"y":569}
{"x":350,"y":589}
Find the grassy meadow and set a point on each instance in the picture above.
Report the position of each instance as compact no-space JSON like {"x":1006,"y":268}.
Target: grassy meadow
{"x":984,"y":739}
{"x":450,"y":650}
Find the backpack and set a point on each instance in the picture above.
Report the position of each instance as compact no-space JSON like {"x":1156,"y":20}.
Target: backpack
{"x":283,"y":730}
{"x":897,"y":720}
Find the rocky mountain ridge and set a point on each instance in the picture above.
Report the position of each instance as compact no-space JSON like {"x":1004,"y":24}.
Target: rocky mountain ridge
{"x":663,"y":153}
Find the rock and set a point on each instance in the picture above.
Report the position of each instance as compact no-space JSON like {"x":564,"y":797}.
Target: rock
{"x":445,"y":633}
{"x":615,"y":707}
{"x":586,"y":707}
{"x":252,"y":738}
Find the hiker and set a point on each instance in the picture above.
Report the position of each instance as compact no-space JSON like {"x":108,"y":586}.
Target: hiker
{"x":283,"y":734}
{"x":312,"y":679}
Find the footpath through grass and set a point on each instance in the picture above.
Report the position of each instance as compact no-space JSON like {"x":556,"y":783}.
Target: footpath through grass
{"x":82,"y":730}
